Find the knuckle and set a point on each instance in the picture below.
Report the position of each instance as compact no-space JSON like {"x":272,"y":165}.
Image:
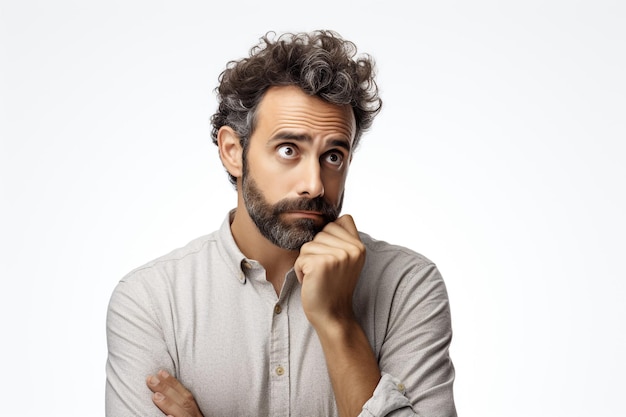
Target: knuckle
{"x":344,"y":255}
{"x":188,"y":402}
{"x":358,"y":250}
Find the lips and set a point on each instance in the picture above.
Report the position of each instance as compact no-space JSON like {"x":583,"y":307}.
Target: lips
{"x":306,"y":214}
{"x":316,"y":208}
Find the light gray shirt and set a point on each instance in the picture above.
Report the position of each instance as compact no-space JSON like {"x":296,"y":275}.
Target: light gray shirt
{"x":206,"y":314}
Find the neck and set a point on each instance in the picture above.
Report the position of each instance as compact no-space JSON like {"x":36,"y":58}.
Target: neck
{"x":276,"y":261}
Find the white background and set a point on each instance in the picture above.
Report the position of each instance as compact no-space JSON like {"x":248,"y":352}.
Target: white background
{"x":499,"y":154}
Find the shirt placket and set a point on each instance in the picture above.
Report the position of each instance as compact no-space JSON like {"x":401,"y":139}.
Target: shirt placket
{"x":279,"y":360}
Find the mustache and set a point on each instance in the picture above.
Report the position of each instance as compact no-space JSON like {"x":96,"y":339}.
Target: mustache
{"x":317,"y":204}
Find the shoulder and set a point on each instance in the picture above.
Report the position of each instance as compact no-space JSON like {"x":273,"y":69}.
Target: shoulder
{"x":385,"y":255}
{"x":157,"y":283}
{"x":183,"y":261}
{"x":394,"y":269}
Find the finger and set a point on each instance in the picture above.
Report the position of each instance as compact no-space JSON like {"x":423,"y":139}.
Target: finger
{"x":320,"y":259}
{"x":339,"y":231}
{"x":347,"y":222}
{"x":171,"y":396}
{"x":339,"y":244}
{"x":307,"y":263}
{"x":335,"y":239}
{"x":173,"y":383}
{"x":157,"y":383}
{"x":169,"y":406}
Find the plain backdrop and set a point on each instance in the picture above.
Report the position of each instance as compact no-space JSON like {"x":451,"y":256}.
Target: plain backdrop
{"x":500,"y":154}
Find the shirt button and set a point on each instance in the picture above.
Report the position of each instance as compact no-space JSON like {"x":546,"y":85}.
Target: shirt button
{"x":401,"y":387}
{"x":277,"y":309}
{"x":280,"y":371}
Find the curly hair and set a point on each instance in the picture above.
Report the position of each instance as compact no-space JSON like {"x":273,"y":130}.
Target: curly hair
{"x":321,"y":63}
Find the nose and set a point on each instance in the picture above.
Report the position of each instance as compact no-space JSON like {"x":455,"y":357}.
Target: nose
{"x":311,"y":184}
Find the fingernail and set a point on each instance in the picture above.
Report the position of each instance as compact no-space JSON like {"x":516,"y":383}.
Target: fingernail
{"x":164,"y":373}
{"x":154,"y":380}
{"x":158,"y":396}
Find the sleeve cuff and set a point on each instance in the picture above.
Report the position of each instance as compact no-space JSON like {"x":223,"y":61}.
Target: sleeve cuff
{"x":388,"y":397}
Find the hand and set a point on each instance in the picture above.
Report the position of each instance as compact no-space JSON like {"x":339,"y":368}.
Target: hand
{"x":171,"y":396}
{"x":328,"y":268}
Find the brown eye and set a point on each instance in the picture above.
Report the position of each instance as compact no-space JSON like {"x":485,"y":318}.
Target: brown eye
{"x":287,"y":151}
{"x":334,"y":158}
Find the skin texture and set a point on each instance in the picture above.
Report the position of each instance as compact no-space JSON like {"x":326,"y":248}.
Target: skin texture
{"x":171,"y":396}
{"x":301,"y":149}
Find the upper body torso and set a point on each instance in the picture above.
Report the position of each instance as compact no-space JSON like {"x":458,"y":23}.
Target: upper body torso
{"x":206,"y":314}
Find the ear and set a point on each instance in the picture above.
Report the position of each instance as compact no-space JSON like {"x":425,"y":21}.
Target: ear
{"x":231,"y":151}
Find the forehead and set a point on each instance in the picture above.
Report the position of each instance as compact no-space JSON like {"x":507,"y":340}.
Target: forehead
{"x":289,"y":108}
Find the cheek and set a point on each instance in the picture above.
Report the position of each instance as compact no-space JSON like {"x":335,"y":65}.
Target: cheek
{"x":275,"y":186}
{"x":334,"y":186}
{"x":269,"y":178}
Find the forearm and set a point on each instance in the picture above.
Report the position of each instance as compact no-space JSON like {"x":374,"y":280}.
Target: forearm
{"x":351,"y":364}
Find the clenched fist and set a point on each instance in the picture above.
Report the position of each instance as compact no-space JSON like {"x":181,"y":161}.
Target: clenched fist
{"x":328,"y":268}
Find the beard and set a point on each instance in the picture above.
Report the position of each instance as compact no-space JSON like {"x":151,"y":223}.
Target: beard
{"x":290,"y":235}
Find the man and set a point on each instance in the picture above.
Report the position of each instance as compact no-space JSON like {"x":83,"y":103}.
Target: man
{"x":287,"y":309}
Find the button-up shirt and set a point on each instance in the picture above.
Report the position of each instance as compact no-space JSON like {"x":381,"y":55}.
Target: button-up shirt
{"x":207,"y":314}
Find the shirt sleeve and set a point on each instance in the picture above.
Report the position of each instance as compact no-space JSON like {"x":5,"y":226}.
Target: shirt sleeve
{"x":388,"y":400}
{"x":417,"y":372}
{"x":136,"y":349}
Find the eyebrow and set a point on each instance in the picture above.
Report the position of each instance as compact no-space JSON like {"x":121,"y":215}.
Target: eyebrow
{"x":297,"y":137}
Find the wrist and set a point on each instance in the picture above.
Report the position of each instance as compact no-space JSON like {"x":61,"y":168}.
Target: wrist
{"x":338,"y":328}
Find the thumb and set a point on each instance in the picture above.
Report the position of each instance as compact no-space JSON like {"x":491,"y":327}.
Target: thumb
{"x":297,"y":268}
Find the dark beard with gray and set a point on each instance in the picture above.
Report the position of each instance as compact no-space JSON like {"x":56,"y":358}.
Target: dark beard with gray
{"x":286,"y":235}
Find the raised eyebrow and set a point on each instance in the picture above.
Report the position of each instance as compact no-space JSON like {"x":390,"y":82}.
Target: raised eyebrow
{"x":341,"y":144}
{"x":297,"y":137}
{"x":290,"y":136}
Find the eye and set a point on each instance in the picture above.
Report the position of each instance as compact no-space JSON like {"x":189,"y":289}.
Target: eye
{"x":287,"y":151}
{"x":334,"y":158}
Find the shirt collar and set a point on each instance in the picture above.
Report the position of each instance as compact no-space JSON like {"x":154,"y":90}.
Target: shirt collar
{"x":242,"y":268}
{"x":237,"y":262}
